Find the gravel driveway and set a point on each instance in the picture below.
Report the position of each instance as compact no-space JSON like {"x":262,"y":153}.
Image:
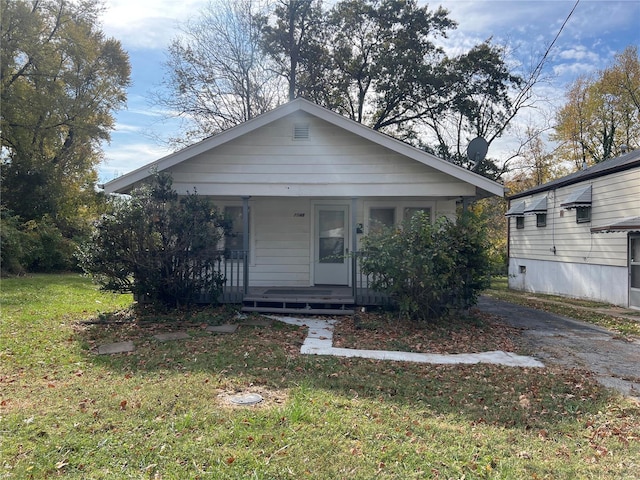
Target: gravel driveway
{"x":559,"y":340}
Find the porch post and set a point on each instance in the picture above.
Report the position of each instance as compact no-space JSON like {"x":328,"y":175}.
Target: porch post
{"x":245,"y":244}
{"x":354,"y":249}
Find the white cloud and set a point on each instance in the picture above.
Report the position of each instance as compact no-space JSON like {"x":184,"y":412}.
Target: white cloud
{"x":127,"y":128}
{"x":121,"y":158}
{"x":573,"y":70}
{"x":579,"y":52}
{"x":147,"y":24}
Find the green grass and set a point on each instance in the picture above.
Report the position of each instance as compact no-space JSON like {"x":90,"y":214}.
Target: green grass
{"x":597,"y":313}
{"x":161,"y":412}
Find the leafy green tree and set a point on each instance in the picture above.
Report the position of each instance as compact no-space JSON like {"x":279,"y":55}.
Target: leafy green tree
{"x":374,"y":61}
{"x":429,"y":269}
{"x":476,"y":102}
{"x":158,"y":246}
{"x":295,"y":42}
{"x":61,"y":80}
{"x":601,"y":113}
{"x":384,"y":61}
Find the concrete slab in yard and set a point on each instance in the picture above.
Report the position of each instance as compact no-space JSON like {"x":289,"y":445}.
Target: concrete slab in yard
{"x":118,"y":347}
{"x":165,"y":337}
{"x":225,"y":328}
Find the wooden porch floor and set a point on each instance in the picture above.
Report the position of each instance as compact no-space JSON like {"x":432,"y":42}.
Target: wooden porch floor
{"x":317,"y":300}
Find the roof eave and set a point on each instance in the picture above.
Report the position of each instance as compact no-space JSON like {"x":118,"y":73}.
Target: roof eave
{"x":484,"y":186}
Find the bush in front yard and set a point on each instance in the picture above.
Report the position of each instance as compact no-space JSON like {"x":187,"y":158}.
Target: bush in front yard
{"x":429,"y":269}
{"x":156,"y":245}
{"x":33,"y":246}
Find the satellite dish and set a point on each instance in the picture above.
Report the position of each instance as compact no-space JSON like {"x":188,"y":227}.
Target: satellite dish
{"x":477,"y":150}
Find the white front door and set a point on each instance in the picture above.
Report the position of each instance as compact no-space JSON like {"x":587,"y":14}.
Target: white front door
{"x":331,"y":264}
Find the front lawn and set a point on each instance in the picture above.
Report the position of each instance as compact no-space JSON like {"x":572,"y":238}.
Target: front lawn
{"x":163,"y":411}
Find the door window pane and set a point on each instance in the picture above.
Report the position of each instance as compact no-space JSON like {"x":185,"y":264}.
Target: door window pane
{"x":635,"y":276}
{"x":331,"y":236}
{"x":634,"y":251}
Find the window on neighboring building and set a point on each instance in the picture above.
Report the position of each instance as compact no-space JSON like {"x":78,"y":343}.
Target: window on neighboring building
{"x":583,"y":214}
{"x":541,"y":219}
{"x":381,"y":218}
{"x":519,"y":222}
{"x":234,"y":239}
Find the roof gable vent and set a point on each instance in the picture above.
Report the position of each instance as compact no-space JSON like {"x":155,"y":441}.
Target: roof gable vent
{"x":301,"y":131}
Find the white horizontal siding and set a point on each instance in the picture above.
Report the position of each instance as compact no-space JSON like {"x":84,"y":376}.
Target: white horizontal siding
{"x":333,"y":162}
{"x":280,"y":242}
{"x":614,"y":197}
{"x":281,"y":232}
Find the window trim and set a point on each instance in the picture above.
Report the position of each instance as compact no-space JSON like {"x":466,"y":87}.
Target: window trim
{"x":586,"y":214}
{"x":399,"y":205}
{"x":541,"y":220}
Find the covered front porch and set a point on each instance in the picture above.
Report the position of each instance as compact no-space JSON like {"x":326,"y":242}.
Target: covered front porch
{"x":317,"y":299}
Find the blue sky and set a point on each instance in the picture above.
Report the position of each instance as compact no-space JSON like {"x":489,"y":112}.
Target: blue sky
{"x":597,"y":30}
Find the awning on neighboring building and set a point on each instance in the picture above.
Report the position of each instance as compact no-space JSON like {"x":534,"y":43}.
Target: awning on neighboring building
{"x":516,"y":210}
{"x":537,"y":206}
{"x":580,"y":197}
{"x":631,"y":224}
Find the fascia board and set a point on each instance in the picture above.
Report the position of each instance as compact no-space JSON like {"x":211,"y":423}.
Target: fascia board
{"x":124,"y":182}
{"x":402,"y":148}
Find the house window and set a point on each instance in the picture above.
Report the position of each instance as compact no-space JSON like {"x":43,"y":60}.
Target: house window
{"x":583,"y":214}
{"x":519,"y":223}
{"x":411,"y":211}
{"x":541,"y":219}
{"x":234,"y":238}
{"x":381,"y":218}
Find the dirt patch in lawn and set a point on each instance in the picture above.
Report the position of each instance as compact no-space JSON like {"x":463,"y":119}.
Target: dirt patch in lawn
{"x":384,"y":331}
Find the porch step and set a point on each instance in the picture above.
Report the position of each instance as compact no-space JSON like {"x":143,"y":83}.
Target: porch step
{"x":299,"y":311}
{"x":301,"y":305}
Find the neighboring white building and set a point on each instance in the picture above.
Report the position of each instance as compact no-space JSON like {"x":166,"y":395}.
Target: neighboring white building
{"x":579,"y":235}
{"x":303,"y":184}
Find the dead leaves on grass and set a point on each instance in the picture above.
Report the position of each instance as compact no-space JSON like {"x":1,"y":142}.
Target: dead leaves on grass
{"x":380,"y":331}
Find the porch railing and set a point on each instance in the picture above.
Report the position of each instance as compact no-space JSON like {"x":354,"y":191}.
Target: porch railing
{"x":233,"y":265}
{"x":363,"y":293}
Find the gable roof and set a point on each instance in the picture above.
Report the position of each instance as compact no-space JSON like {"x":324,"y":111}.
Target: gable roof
{"x":612,"y":165}
{"x":484,"y":186}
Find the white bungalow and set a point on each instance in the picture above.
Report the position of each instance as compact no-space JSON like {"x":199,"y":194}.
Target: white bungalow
{"x":579,"y":236}
{"x":303,"y":184}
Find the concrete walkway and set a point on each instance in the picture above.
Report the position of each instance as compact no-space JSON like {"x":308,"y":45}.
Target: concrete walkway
{"x":319,"y":341}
